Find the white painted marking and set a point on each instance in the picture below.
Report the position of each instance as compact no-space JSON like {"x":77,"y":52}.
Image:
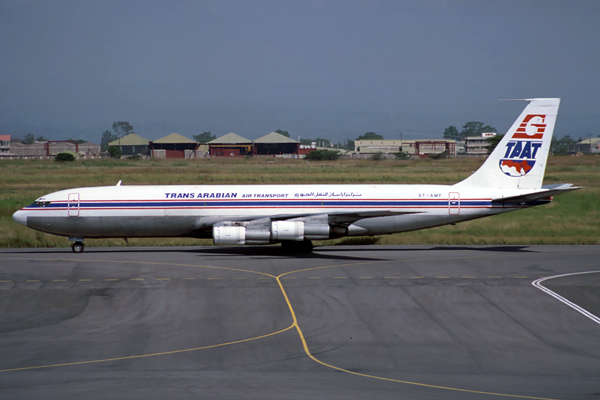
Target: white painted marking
{"x":538,"y":284}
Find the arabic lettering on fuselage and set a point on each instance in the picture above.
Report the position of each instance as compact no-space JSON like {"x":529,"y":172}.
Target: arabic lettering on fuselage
{"x":328,"y":194}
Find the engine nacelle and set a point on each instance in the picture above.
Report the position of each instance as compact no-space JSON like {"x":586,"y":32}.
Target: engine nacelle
{"x":299,"y":231}
{"x":279,"y":231}
{"x":287,"y":230}
{"x":240,"y":235}
{"x":229,"y":234}
{"x":317,"y":232}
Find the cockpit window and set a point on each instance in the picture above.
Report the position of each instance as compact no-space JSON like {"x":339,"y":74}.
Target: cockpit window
{"x":42,"y":203}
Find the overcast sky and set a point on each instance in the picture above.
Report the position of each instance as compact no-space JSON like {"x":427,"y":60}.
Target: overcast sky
{"x":334,"y":69}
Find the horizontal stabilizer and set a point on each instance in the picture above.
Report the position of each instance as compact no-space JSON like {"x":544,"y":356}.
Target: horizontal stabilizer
{"x":546,"y":194}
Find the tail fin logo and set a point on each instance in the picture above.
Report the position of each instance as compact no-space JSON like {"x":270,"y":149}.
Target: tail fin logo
{"x":532,"y":127}
{"x":521,"y":150}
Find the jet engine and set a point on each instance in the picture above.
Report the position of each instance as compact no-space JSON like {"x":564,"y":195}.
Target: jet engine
{"x":277,"y":231}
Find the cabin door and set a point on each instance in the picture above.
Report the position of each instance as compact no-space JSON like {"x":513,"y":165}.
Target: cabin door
{"x":454,"y":203}
{"x":73,"y":205}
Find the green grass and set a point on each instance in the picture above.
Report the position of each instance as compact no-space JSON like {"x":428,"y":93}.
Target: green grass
{"x":573,"y":218}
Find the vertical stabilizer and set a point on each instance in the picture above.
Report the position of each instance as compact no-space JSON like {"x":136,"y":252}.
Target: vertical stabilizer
{"x":519,"y":160}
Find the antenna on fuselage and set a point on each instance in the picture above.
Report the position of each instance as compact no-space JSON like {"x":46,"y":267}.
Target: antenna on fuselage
{"x":119,"y":183}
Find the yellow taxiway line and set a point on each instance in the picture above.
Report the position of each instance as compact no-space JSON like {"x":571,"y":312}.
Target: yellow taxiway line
{"x":294,"y":325}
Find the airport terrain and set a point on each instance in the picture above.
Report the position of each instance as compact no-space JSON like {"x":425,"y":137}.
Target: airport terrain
{"x":397,"y":322}
{"x":572,"y":219}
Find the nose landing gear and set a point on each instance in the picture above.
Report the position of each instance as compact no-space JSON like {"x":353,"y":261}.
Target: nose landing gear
{"x":78,"y":247}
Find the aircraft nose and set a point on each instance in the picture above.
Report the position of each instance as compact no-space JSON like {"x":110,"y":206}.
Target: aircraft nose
{"x":20,"y":217}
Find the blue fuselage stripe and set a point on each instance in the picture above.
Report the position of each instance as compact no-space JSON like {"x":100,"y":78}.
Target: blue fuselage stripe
{"x":268,"y":203}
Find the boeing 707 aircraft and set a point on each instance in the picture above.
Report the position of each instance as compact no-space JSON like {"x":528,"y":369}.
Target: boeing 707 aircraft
{"x":294,"y":215}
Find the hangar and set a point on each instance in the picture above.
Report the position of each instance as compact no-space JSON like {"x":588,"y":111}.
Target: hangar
{"x":132,"y":144}
{"x":275,"y":144}
{"x":174,"y":146}
{"x":589,"y":145}
{"x":230,"y":145}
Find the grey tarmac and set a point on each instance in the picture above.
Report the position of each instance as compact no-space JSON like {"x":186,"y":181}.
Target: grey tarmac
{"x":345,"y":322}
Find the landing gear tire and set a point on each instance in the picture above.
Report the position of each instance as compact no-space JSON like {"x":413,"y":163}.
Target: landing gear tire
{"x":292,"y":247}
{"x":78,"y":247}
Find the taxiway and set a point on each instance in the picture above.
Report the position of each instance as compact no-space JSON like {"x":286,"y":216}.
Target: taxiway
{"x":385,"y":322}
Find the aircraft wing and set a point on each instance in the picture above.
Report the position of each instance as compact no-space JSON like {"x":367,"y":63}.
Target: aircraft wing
{"x":338,"y":217}
{"x":543,"y":195}
{"x":342,"y":216}
{"x":350,"y":217}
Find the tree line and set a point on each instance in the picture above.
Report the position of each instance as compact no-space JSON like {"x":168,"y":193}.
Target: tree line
{"x":120,"y":129}
{"x":30,"y":139}
{"x":470,"y":129}
{"x":566,"y":144}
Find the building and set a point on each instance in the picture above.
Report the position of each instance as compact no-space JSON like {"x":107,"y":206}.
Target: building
{"x":230,"y":145}
{"x":379,"y":146}
{"x":50,"y":148}
{"x":589,"y":145}
{"x":35,"y":150}
{"x":423,"y":148}
{"x":416,"y":148}
{"x":174,"y":146}
{"x":304,"y":149}
{"x":5,"y":150}
{"x":88,"y":149}
{"x":275,"y":144}
{"x":132,"y":144}
{"x":478,"y":145}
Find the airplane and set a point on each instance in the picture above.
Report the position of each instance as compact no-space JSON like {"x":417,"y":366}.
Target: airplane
{"x":510,"y":179}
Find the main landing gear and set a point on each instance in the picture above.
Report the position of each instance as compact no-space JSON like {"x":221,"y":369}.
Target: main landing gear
{"x":293,"y":247}
{"x":78,"y":247}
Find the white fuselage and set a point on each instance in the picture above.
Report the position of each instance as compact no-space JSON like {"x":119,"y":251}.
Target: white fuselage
{"x":162,"y":211}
